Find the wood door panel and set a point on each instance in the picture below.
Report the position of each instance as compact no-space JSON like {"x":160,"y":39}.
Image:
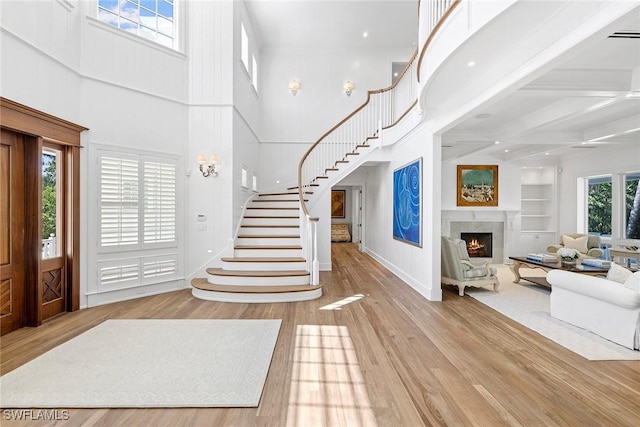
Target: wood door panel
{"x":53,"y":287}
{"x":12,"y":266}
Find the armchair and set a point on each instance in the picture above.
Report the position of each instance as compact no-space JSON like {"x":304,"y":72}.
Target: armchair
{"x":459,"y":271}
{"x":587,"y":245}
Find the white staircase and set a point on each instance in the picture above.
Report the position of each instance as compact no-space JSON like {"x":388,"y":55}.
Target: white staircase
{"x":268,"y":263}
{"x":270,"y":254}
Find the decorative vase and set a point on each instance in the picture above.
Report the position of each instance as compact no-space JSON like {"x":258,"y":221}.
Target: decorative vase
{"x":568,"y":262}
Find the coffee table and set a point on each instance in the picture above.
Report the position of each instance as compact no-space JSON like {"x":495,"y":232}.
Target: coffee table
{"x":523,"y":262}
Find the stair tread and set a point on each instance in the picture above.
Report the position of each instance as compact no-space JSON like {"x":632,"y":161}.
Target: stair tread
{"x":271,"y":217}
{"x":272,"y":208}
{"x":278,"y":194}
{"x":278,"y":201}
{"x":268,"y":236}
{"x":202,"y":283}
{"x":264,"y":259}
{"x":269,"y":226}
{"x":256,"y":273}
{"x":268,"y":247}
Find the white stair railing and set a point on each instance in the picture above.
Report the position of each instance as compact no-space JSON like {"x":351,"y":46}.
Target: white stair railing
{"x":383,"y":109}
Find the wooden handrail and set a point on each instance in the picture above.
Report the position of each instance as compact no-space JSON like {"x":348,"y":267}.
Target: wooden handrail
{"x":344,"y":120}
{"x":433,"y":32}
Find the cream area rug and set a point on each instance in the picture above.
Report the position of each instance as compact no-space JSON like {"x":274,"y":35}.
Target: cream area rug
{"x":149,"y":363}
{"x":528,"y":304}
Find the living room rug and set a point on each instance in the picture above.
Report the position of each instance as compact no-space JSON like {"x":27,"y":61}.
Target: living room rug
{"x":149,"y":363}
{"x":528,"y":304}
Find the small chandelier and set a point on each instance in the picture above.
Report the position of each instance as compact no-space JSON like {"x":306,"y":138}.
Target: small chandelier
{"x":210,"y":168}
{"x":348,"y":87}
{"x":294,"y":87}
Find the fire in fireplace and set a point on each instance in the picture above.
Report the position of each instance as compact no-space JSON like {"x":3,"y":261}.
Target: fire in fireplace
{"x":479,"y":245}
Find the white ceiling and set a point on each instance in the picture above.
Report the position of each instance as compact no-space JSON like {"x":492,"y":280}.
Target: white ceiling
{"x":582,"y":103}
{"x":332,"y":24}
{"x":590,"y":100}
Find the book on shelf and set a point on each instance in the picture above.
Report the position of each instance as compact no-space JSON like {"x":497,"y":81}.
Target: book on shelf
{"x":595,"y":262}
{"x":542,"y":257}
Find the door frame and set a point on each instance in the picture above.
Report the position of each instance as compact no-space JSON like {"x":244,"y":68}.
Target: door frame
{"x":37,"y":126}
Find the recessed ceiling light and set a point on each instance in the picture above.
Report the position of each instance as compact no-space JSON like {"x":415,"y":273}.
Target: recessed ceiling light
{"x":483,"y":116}
{"x":365,"y":34}
{"x":471,"y":63}
{"x":506,"y":151}
{"x":395,"y":74}
{"x":497,"y":142}
{"x":546,"y":154}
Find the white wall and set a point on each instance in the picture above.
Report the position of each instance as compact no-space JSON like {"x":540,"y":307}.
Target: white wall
{"x":279,"y":164}
{"x":321,"y":102}
{"x":417,"y":266}
{"x":135,"y":94}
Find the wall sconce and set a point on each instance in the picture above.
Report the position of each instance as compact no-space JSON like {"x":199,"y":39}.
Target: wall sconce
{"x":210,"y":168}
{"x":294,"y":87}
{"x":348,"y":87}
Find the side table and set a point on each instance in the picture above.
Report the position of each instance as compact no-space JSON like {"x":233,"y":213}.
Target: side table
{"x":625,"y":253}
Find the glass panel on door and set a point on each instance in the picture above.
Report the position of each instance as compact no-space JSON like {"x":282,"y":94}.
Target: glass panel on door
{"x":51,"y":202}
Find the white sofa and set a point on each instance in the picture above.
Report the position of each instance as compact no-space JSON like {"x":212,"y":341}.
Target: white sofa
{"x":599,"y":305}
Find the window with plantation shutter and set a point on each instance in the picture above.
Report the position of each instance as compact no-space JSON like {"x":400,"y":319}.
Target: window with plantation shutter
{"x":159,"y":202}
{"x":119,"y":200}
{"x":137,"y":202}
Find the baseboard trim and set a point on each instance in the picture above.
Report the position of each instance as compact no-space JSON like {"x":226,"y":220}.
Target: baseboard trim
{"x":432,"y":294}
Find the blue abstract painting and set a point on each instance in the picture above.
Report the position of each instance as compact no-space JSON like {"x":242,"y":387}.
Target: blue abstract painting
{"x":407,"y":203}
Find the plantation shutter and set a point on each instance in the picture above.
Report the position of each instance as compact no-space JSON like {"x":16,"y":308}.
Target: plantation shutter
{"x":159,"y":202}
{"x":119,"y":206}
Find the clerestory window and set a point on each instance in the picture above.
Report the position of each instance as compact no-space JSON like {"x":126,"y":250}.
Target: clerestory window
{"x":151,"y":19}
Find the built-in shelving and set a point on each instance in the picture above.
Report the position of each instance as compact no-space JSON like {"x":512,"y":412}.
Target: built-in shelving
{"x":538,"y":219}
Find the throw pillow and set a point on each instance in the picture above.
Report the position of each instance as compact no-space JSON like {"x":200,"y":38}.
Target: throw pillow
{"x":579,"y":244}
{"x":617,"y":273}
{"x":633,"y":282}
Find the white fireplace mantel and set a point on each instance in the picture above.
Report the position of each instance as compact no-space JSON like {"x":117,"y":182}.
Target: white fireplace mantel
{"x":505,"y":217}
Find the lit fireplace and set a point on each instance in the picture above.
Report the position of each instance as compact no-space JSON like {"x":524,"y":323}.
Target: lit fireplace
{"x":479,"y":245}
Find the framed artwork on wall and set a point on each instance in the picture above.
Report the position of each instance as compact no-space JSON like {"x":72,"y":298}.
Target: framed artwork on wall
{"x":407,"y":203}
{"x":477,"y":185}
{"x":337,"y":203}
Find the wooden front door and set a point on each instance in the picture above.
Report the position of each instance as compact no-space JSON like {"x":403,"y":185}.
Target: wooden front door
{"x":12,"y":232}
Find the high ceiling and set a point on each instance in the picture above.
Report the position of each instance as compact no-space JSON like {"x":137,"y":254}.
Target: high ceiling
{"x":590,"y":100}
{"x":332,"y":24}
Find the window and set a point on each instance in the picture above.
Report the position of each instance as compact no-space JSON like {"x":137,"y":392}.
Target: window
{"x":137,"y":202}
{"x":52,"y":202}
{"x":244,"y":47}
{"x":599,"y":202}
{"x":632,"y":205}
{"x":254,"y":73}
{"x":151,"y":19}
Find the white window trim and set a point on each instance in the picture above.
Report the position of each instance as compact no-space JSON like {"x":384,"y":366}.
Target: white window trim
{"x":254,"y":73}
{"x":618,"y":206}
{"x":178,"y":21}
{"x":244,"y":49}
{"x":141,"y":157}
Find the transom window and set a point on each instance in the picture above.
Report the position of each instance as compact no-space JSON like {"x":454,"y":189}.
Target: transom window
{"x":151,"y":19}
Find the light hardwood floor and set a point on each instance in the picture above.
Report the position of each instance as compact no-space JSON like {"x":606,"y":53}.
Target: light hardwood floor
{"x":372,"y":351}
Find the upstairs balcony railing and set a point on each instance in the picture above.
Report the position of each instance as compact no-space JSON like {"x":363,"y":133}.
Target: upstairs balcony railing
{"x":382,"y":109}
